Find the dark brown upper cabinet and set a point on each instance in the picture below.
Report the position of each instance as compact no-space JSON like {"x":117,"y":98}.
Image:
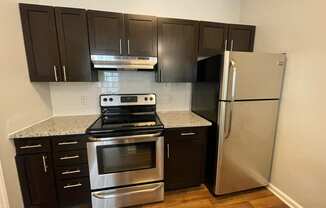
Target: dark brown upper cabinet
{"x":73,"y":42}
{"x":56,"y":43}
{"x":41,"y":43}
{"x":212,"y":38}
{"x":217,"y":37}
{"x":118,"y":34}
{"x":141,"y":35}
{"x":106,"y":32}
{"x":177,"y":50}
{"x":241,"y":38}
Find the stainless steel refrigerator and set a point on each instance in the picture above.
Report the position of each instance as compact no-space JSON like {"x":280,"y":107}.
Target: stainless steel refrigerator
{"x":240,"y":93}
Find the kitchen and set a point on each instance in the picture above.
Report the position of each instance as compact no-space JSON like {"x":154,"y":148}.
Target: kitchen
{"x":33,"y":99}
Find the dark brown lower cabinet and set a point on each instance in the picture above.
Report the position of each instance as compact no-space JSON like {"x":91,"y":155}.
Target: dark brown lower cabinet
{"x":53,"y":172}
{"x":185,"y":156}
{"x":37,"y":180}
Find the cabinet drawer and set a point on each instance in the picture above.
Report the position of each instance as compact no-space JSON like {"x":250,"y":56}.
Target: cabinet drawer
{"x":26,"y":146}
{"x":70,"y":158}
{"x":72,"y":171}
{"x":193,"y":132}
{"x":65,"y":143}
{"x":74,"y":192}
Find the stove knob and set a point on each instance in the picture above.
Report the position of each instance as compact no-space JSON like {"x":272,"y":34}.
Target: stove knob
{"x":110,"y":99}
{"x":105,"y":99}
{"x":151,"y":98}
{"x":146,"y":98}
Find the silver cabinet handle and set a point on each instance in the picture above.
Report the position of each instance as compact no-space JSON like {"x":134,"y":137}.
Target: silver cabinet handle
{"x":233,"y":91}
{"x":120,"y":46}
{"x":70,"y":172}
{"x":128,"y":42}
{"x":64,"y":73}
{"x":69,"y":157}
{"x":231,"y":45}
{"x":168,"y":150}
{"x":67,"y":143}
{"x":44,"y":163}
{"x":188,"y":134}
{"x":31,"y":146}
{"x":225,"y":45}
{"x":73,"y":185}
{"x":55,"y":73}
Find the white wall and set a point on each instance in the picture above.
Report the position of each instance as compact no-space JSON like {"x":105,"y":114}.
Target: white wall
{"x":21,"y":102}
{"x":213,"y":10}
{"x":297,"y":27}
{"x":82,"y":98}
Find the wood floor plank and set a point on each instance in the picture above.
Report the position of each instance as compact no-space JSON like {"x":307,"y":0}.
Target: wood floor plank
{"x":235,"y":205}
{"x":268,"y":202}
{"x":200,"y":197}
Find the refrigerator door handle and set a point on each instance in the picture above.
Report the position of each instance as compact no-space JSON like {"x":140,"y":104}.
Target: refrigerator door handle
{"x":234,"y":79}
{"x":233,"y":90}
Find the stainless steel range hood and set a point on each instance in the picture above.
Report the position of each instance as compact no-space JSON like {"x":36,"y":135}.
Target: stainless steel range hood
{"x":102,"y":62}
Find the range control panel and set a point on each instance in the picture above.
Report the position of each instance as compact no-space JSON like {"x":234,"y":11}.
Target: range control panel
{"x":127,"y":99}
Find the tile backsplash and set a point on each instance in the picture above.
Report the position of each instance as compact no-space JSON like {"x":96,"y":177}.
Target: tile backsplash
{"x":83,"y":98}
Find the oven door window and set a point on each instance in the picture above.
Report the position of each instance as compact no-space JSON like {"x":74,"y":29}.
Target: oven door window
{"x":126,"y":157}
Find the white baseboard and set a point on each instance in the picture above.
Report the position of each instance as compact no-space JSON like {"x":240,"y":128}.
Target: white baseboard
{"x":283,"y":196}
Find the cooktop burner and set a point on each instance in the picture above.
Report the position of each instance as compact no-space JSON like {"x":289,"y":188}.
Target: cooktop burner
{"x":123,"y":113}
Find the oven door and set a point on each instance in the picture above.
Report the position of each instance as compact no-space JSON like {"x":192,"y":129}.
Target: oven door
{"x":125,"y":160}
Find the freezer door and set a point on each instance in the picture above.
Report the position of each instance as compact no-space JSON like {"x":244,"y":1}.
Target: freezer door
{"x":254,"y":75}
{"x":246,"y":142}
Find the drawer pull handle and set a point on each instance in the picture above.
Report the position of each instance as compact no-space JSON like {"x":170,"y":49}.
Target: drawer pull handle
{"x":70,"y":172}
{"x":73,"y":185}
{"x":45,"y":166}
{"x":69,"y":157}
{"x":109,"y":195}
{"x":67,"y":143}
{"x":188,"y":134}
{"x":31,"y":146}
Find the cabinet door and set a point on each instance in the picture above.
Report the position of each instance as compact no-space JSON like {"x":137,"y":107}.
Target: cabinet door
{"x":177,"y":50}
{"x":212,"y":38}
{"x":36,"y":180}
{"x":241,"y":37}
{"x":105,"y":32}
{"x":141,"y":35}
{"x":73,"y":41}
{"x":184,"y":159}
{"x":41,"y":42}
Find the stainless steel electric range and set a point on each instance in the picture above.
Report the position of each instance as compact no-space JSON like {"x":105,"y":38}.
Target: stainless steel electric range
{"x":125,"y":152}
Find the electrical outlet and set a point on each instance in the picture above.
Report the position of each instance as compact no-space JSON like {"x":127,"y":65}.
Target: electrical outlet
{"x":83,"y":100}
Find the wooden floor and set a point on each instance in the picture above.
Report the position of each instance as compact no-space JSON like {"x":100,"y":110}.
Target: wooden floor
{"x":199,"y":197}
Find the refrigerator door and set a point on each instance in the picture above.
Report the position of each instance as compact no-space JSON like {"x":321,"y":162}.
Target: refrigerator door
{"x":253,"y":75}
{"x":245,"y":146}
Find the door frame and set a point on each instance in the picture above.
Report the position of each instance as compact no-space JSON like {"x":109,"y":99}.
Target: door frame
{"x":3,"y":192}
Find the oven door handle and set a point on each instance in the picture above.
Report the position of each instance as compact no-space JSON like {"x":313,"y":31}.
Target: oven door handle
{"x":94,"y":139}
{"x":108,"y":195}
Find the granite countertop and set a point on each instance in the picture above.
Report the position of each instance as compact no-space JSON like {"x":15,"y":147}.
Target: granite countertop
{"x":69,"y":125}
{"x":178,"y":119}
{"x":58,"y":125}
